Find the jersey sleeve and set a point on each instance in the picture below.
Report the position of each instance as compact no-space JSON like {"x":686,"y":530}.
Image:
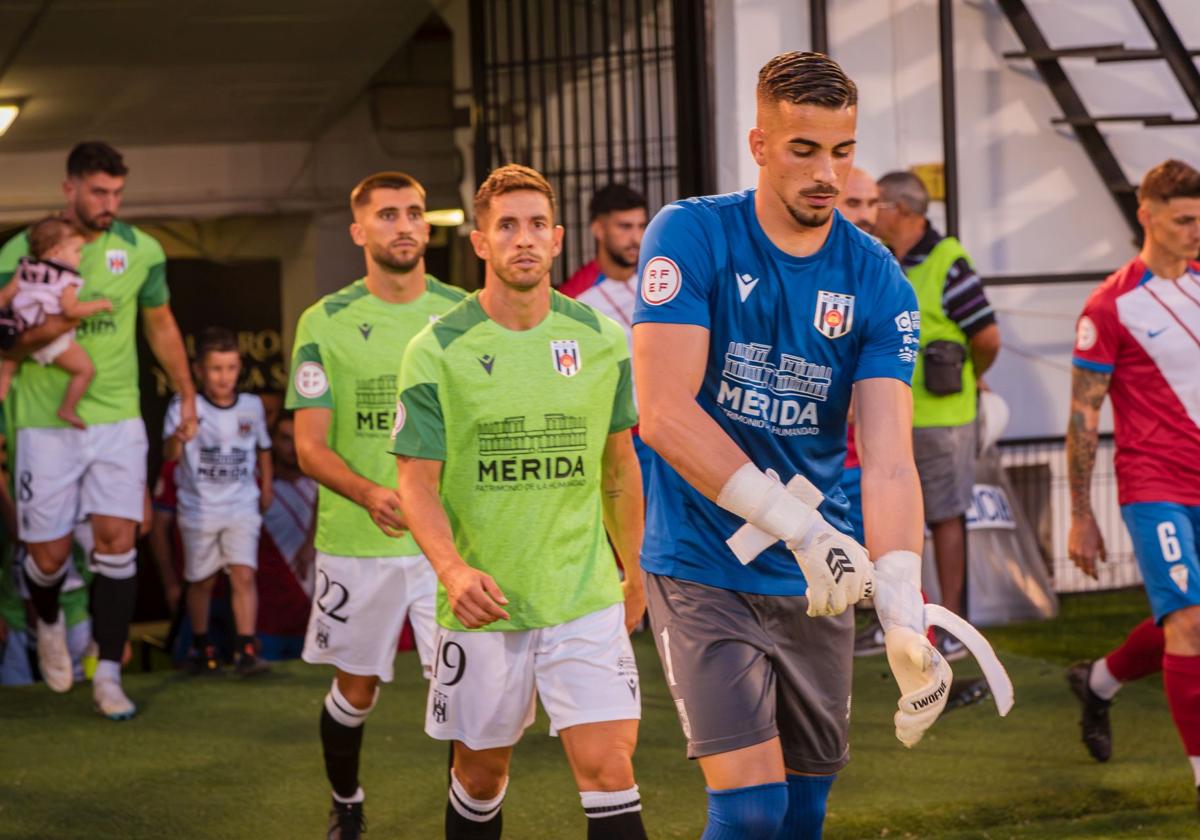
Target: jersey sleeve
{"x":154,"y":288}
{"x":893,"y":329}
{"x":308,"y":386}
{"x":1097,"y":334}
{"x":11,"y":254}
{"x":624,"y":410}
{"x":171,"y":419}
{"x":675,"y":270}
{"x":264,"y":434}
{"x":420,"y":428}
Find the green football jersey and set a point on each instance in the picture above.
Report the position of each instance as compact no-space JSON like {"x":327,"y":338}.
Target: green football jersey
{"x":521,"y":419}
{"x":348,"y":348}
{"x":127,"y":266}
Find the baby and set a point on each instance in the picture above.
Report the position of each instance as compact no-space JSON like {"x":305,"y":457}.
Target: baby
{"x":48,"y":283}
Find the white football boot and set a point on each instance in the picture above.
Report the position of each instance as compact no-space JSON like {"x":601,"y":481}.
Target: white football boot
{"x":54,"y":659}
{"x":111,"y":701}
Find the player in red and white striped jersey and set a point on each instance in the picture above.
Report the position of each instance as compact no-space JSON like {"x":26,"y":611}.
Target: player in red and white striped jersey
{"x":1138,"y":341}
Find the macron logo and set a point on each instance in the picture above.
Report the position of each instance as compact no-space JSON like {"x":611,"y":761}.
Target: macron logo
{"x":746,"y":285}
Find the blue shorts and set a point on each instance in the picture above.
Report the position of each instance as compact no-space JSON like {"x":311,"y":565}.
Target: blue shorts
{"x":852,"y":487}
{"x":1164,"y":542}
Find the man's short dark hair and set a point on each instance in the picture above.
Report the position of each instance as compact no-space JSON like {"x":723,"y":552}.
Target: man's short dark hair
{"x":806,"y":78}
{"x":906,"y":190}
{"x":1170,"y":179}
{"x":360,"y":196}
{"x":613,"y":198}
{"x":215,"y":340}
{"x":512,"y":177}
{"x":95,"y":156}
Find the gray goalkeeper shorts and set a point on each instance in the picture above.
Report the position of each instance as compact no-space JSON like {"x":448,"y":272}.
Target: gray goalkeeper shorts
{"x":746,"y":668}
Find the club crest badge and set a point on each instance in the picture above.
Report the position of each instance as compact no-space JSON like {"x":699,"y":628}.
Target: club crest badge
{"x":834,"y":314}
{"x":245,"y":426}
{"x":566,"y":356}
{"x":117,"y":261}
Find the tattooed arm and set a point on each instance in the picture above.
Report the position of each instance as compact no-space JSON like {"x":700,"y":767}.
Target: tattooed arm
{"x":624,"y":518}
{"x":1084,"y":542}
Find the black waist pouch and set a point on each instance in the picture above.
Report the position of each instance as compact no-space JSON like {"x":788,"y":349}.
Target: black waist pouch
{"x":943,"y":362}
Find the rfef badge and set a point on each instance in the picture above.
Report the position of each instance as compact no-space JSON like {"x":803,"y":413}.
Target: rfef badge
{"x":566,"y":356}
{"x":834,"y":315}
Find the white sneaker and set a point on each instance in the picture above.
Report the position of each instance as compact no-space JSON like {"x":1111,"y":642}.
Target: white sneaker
{"x":54,"y":659}
{"x":111,"y":701}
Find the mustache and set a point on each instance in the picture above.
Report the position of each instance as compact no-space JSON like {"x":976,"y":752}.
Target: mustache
{"x":820,"y":191}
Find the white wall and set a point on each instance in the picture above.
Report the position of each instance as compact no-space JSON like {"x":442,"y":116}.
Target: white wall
{"x":1030,"y":200}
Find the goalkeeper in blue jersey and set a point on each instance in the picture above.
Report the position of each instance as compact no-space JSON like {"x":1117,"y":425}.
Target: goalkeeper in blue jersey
{"x":761,"y":316}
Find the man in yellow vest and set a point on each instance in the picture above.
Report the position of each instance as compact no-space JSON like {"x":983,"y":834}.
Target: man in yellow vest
{"x":959,"y":340}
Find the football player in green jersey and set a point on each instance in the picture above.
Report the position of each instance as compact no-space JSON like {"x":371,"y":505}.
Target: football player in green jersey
{"x":513,"y":432}
{"x":370,"y":573}
{"x":63,"y":473}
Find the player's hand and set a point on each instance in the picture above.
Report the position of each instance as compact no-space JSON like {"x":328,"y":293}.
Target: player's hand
{"x":188,"y":424}
{"x":924,"y":679}
{"x":474,"y":596}
{"x":105,"y":305}
{"x":1085,"y":544}
{"x":383,"y":503}
{"x":920,"y":671}
{"x":635,"y":602}
{"x":835,"y":567}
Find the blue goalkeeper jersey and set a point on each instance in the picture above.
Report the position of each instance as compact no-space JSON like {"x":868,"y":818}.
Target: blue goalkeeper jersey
{"x":788,"y":338}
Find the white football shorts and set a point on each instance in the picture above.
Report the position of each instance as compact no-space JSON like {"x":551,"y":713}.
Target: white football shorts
{"x":209,"y":547}
{"x":65,"y":475}
{"x":485,"y":684}
{"x":359,"y":609}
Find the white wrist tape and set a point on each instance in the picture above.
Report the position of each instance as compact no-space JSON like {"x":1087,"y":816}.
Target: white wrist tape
{"x":772,"y":511}
{"x":898,"y":601}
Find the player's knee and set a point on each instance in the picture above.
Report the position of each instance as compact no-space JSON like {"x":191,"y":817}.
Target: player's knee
{"x":113,"y":536}
{"x":46,"y":563}
{"x":358,"y":692}
{"x":757,"y":812}
{"x":610,"y":770}
{"x":481,"y":780}
{"x":241,"y":577}
{"x":1182,"y":630}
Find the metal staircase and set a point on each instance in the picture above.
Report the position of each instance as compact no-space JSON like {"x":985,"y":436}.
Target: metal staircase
{"x":1046,"y":59}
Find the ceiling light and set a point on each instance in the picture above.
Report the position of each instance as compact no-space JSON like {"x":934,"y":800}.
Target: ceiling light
{"x":446,"y":218}
{"x":8,"y":113}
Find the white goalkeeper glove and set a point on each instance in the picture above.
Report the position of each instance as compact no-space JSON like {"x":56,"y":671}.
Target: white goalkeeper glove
{"x":921,"y":672}
{"x":835,"y":567}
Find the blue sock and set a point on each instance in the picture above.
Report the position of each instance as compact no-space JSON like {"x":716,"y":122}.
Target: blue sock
{"x":806,"y":806}
{"x":746,"y":813}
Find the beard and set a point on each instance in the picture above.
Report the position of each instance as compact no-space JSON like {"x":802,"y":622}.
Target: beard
{"x":385,"y":259}
{"x":620,"y":259}
{"x":809,"y":217}
{"x":96,"y":224}
{"x":522,"y":280}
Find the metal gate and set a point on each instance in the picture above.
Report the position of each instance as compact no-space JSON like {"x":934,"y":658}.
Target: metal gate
{"x":589,"y":92}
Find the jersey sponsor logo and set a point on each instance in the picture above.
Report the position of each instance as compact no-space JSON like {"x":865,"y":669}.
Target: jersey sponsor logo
{"x":374,"y":404}
{"x":117,"y":260}
{"x":834,"y":314}
{"x":219,"y":467}
{"x":907,"y":322}
{"x":365,"y":330}
{"x":1085,"y":334}
{"x":310,"y":380}
{"x":100,"y":324}
{"x":661,"y":281}
{"x":487,"y":360}
{"x":513,"y":456}
{"x":746,"y":285}
{"x":756,"y":392}
{"x":566,"y":356}
{"x":401,"y":416}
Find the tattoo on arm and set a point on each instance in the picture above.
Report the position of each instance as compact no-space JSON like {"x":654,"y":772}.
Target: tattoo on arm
{"x":1088,"y":388}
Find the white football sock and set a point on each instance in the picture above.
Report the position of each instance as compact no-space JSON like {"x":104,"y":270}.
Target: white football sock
{"x":1101,"y":681}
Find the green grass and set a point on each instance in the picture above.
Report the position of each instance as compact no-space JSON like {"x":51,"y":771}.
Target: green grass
{"x":231,"y":759}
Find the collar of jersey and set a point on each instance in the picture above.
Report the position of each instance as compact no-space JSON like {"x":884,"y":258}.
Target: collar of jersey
{"x":777,"y":253}
{"x":532,"y":331}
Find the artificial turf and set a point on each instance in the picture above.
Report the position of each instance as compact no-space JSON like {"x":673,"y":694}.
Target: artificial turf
{"x":225,"y":758}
